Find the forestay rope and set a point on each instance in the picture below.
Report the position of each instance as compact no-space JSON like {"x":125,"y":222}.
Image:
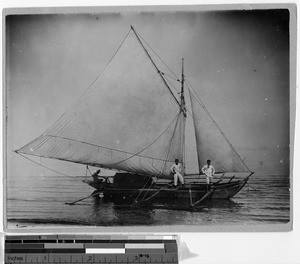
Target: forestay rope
{"x":198,"y":99}
{"x":45,"y":166}
{"x":168,"y":149}
{"x":95,"y":80}
{"x":200,"y":102}
{"x":137,"y":154}
{"x":158,"y":71}
{"x":158,"y":56}
{"x":164,"y":157}
{"x":187,"y":109}
{"x":98,"y":146}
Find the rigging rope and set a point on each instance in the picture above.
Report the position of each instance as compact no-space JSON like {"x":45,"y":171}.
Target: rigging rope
{"x":172,"y":85}
{"x":140,"y":192}
{"x":105,"y":65}
{"x":156,"y":68}
{"x":200,"y":102}
{"x":170,"y":144}
{"x":45,"y":166}
{"x":137,"y":154}
{"x":87,"y":166}
{"x":187,"y":109}
{"x":86,"y":170}
{"x":89,"y":87}
{"x":157,"y":55}
{"x":168,"y":149}
{"x":90,"y":144}
{"x":175,"y":79}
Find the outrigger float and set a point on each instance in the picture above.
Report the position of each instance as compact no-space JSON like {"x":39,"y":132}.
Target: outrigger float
{"x":131,"y":121}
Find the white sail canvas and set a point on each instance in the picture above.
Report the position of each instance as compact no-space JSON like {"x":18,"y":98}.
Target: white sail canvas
{"x":127,"y":120}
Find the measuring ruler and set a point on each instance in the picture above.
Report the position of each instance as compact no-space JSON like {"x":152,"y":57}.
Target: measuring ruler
{"x":83,"y":249}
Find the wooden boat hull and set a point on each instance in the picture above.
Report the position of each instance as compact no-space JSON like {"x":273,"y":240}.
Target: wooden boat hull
{"x":190,"y":195}
{"x":228,"y":190}
{"x":176,"y":196}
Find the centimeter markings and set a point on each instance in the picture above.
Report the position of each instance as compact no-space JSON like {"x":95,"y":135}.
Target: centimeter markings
{"x":91,"y":249}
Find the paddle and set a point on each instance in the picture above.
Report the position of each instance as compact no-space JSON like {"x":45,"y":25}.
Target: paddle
{"x":92,"y":195}
{"x":204,"y":196}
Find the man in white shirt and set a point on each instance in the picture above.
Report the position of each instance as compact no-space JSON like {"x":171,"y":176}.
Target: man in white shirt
{"x":176,"y":169}
{"x":209,"y":171}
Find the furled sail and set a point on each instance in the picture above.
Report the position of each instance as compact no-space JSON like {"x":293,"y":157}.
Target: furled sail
{"x":127,"y":121}
{"x":211,"y":143}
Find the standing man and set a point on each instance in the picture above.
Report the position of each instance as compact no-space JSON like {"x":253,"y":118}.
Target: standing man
{"x":176,"y":169}
{"x":209,"y":171}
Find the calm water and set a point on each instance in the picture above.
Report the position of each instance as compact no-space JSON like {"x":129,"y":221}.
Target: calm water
{"x":42,"y":200}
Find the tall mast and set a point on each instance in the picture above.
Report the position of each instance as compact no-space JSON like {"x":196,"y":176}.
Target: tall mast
{"x":183,"y":110}
{"x":182,"y":102}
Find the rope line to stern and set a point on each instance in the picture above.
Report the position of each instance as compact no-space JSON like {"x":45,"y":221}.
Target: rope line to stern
{"x":33,"y":161}
{"x":200,"y":102}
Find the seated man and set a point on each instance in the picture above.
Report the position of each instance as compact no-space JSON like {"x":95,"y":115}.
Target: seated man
{"x":95,"y":177}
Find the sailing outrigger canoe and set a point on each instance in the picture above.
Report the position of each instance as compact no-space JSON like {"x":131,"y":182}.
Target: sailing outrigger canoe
{"x":136,"y":190}
{"x":130,"y":120}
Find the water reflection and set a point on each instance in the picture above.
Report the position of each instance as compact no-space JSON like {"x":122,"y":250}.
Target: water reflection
{"x":122,"y":214}
{"x":222,"y":204}
{"x":43,"y":201}
{"x":137,"y":216}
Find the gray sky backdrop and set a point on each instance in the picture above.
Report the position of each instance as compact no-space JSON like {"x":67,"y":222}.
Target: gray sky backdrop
{"x":238,"y":61}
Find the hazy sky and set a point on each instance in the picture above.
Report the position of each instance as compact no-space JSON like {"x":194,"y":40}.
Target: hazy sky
{"x":238,"y":61}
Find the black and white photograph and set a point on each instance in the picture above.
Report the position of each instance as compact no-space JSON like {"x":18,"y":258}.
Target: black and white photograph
{"x":148,"y":117}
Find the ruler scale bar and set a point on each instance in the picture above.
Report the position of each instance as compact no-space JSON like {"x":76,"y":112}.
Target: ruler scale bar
{"x":87,"y":249}
{"x":66,"y":245}
{"x":137,"y":246}
{"x":65,"y":258}
{"x":105,"y":250}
